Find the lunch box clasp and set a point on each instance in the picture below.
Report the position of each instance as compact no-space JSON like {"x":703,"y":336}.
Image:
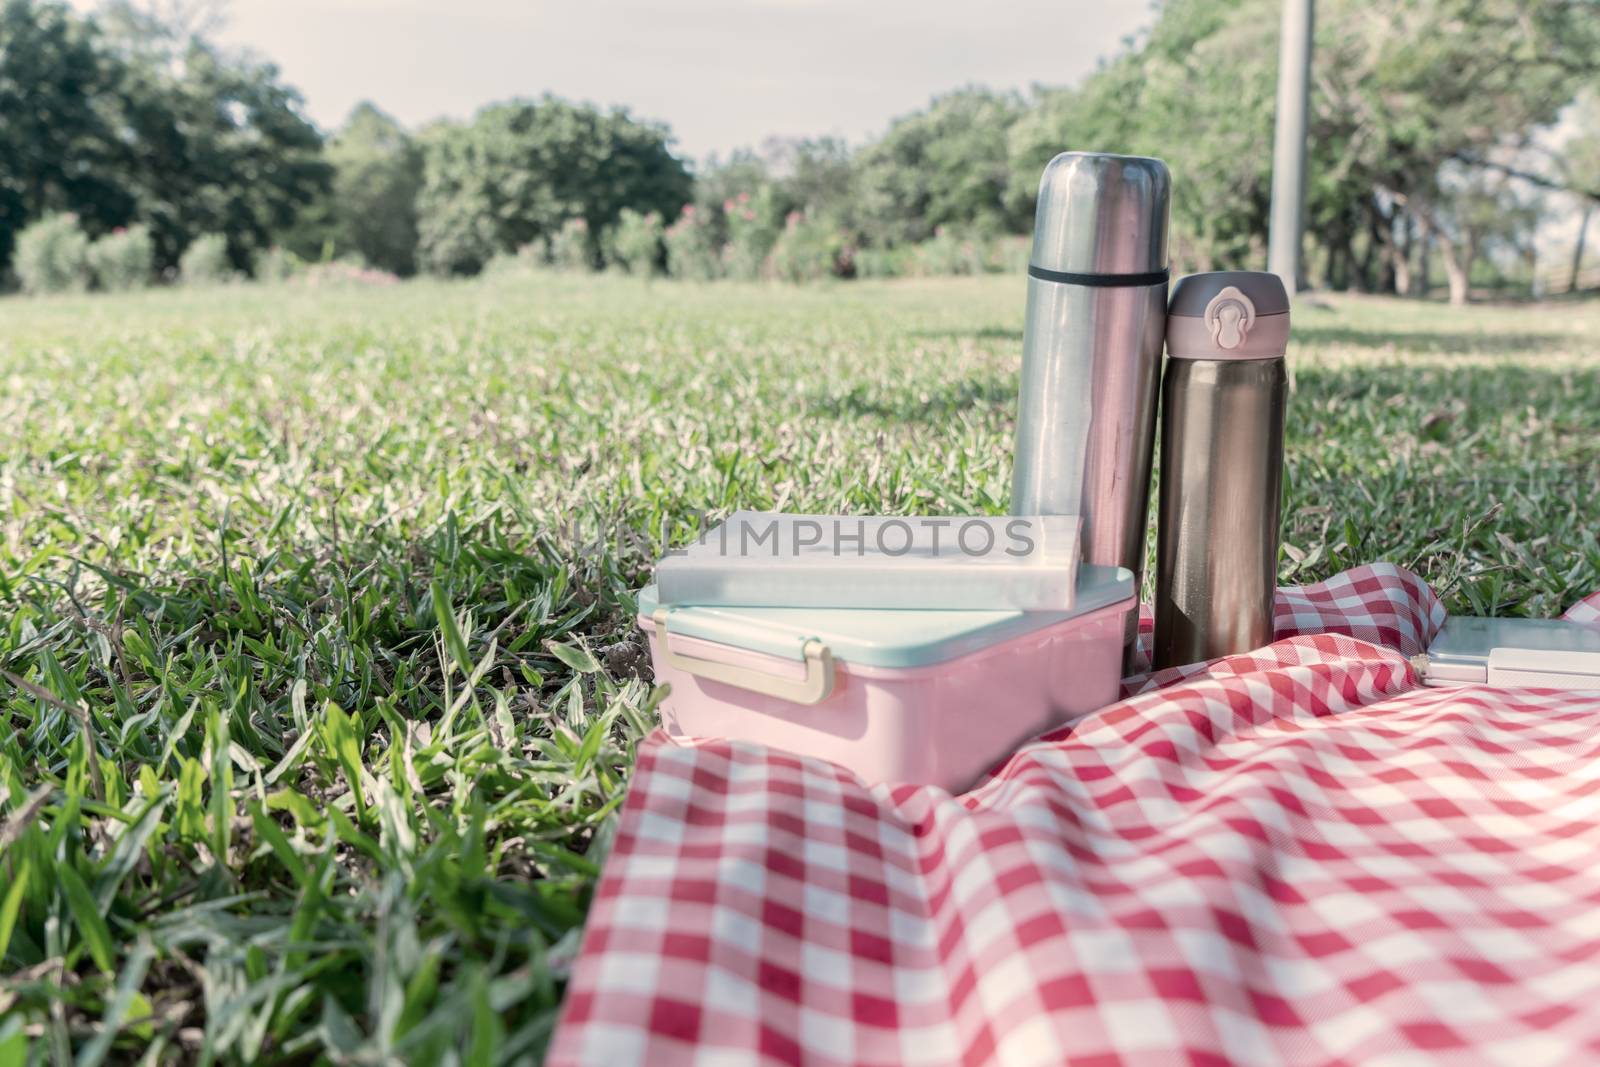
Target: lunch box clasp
{"x":814,"y":688}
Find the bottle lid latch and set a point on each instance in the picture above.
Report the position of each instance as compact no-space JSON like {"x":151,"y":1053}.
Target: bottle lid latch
{"x":1228,"y":318}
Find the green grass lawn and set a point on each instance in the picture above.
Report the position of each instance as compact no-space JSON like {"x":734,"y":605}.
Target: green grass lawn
{"x":315,"y":607}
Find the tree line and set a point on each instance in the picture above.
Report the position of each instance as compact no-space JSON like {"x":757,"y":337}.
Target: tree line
{"x":124,"y":142}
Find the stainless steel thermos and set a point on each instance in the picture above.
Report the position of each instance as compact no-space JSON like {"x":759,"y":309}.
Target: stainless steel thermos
{"x":1091,"y":359}
{"x":1222,"y":413}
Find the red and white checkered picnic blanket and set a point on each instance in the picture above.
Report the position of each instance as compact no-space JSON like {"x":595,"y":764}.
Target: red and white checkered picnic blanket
{"x":1292,"y":856}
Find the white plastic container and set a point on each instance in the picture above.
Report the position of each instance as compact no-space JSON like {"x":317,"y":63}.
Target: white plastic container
{"x":930,"y":697}
{"x":959,"y":562}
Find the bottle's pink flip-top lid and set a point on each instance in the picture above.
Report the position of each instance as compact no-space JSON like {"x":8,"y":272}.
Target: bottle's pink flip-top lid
{"x":1228,"y":314}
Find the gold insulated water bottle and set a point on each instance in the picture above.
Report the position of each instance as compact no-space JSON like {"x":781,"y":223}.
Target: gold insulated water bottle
{"x":1222,"y":412}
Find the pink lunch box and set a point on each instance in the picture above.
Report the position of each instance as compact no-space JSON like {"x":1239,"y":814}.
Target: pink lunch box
{"x":931,"y":697}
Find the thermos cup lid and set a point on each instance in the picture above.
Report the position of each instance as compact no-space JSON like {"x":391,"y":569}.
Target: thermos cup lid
{"x":1102,"y":215}
{"x":1228,"y":314}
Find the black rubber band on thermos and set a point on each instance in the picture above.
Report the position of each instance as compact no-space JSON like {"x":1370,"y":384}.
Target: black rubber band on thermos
{"x":1100,"y":281}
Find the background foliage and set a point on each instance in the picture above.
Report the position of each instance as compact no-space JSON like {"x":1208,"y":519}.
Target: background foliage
{"x":1430,"y":152}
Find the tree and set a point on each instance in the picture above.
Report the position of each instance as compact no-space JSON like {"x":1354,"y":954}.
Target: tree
{"x":1402,"y":91}
{"x":1467,"y":213}
{"x":1207,"y":108}
{"x":128,"y":125}
{"x":817,"y":178}
{"x":1197,"y":92}
{"x":159,"y":31}
{"x":946,"y":166}
{"x":58,"y":149}
{"x":518,"y":171}
{"x":371,"y":209}
{"x":220,"y":146}
{"x":1578,"y":170}
{"x":1099,"y":115}
{"x":1411,"y":88}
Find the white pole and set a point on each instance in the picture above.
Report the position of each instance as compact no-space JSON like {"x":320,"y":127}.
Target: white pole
{"x":1289,"y":143}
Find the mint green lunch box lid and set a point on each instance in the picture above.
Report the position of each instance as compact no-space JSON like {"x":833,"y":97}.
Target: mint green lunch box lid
{"x":885,"y":637}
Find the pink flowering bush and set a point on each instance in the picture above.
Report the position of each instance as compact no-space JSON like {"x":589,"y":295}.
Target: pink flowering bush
{"x":753,"y":229}
{"x":691,"y":242}
{"x":809,"y":250}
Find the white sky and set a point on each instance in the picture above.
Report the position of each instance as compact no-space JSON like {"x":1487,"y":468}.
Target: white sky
{"x":722,"y":73}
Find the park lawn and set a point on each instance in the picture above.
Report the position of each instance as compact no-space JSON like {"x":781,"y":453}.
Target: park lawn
{"x":316,"y":605}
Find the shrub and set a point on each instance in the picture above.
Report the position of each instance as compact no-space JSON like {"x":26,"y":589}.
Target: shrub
{"x":205,"y":261}
{"x":1009,"y":254}
{"x":277,"y":264}
{"x":342,"y":272}
{"x":52,"y":256}
{"x":753,"y":230}
{"x":123,"y":259}
{"x":533,"y":256}
{"x":946,"y":253}
{"x":692,"y":246}
{"x":810,"y":250}
{"x":636,"y":242}
{"x":883,"y":262}
{"x":571,"y":248}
